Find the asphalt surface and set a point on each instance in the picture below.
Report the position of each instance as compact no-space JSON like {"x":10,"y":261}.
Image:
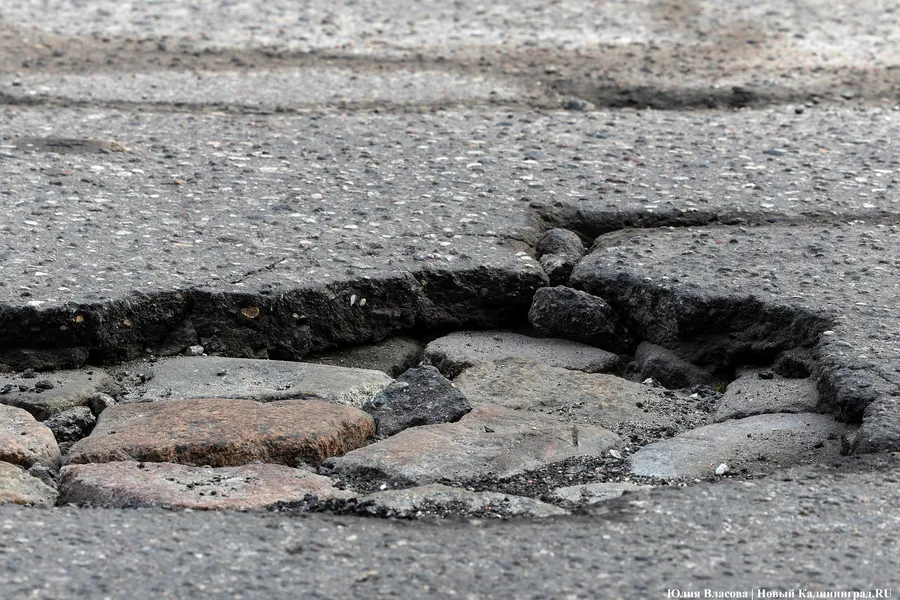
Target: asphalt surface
{"x":171,"y":161}
{"x":824,"y":529}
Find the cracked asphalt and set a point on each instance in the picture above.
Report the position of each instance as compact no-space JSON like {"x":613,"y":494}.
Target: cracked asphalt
{"x":172,"y":158}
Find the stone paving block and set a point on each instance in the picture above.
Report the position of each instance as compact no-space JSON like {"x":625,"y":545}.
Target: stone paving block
{"x":754,"y":445}
{"x":18,"y":487}
{"x":130,"y":484}
{"x":24,"y":441}
{"x":490,"y":440}
{"x":591,"y":493}
{"x":46,"y":394}
{"x":453,"y":353}
{"x":393,"y":356}
{"x":441,"y":500}
{"x":750,"y":394}
{"x":591,"y":398}
{"x":224,"y":432}
{"x":261,"y":380}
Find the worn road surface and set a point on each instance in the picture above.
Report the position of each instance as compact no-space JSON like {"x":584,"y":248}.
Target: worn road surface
{"x":735,"y":165}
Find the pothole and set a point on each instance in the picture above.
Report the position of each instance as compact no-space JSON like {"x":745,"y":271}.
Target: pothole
{"x":583,"y":402}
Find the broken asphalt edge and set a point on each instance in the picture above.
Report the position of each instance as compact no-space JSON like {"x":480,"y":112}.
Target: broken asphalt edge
{"x":291,"y":322}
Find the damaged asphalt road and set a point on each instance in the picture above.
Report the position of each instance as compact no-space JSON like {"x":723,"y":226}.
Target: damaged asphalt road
{"x":272,"y":181}
{"x":820,"y":529}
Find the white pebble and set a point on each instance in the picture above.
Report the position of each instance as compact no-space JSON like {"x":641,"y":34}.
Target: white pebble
{"x":722,"y":469}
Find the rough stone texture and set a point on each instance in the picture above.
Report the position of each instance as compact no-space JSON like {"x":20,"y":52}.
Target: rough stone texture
{"x":592,"y":493}
{"x":392,"y":356}
{"x":70,"y":388}
{"x":421,"y":396}
{"x":575,"y":315}
{"x":261,"y":380}
{"x":100,"y":402}
{"x":45,"y":474}
{"x":664,"y":366}
{"x":586,"y":398}
{"x":750,"y":394}
{"x":224,"y":432}
{"x":741,"y":302}
{"x":71,"y":425}
{"x":20,"y":359}
{"x":747,"y":446}
{"x":441,"y":500}
{"x":24,"y":441}
{"x":179,"y":339}
{"x":559,"y":250}
{"x":453,"y":353}
{"x":489,"y":440}
{"x":130,"y":484}
{"x":796,"y":363}
{"x":18,"y":487}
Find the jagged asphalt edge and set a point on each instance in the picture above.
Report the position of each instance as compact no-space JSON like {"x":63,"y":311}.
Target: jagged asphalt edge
{"x":289,"y":323}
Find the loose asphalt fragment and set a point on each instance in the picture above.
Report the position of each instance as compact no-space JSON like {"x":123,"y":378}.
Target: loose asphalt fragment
{"x":420,"y":396}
